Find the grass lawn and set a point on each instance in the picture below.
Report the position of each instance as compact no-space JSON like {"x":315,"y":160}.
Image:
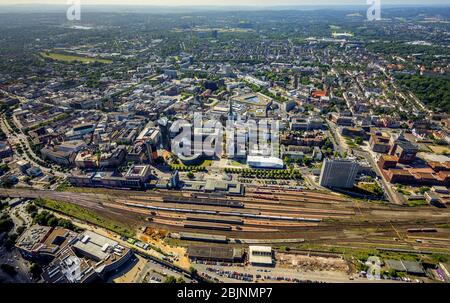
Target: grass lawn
{"x":236,"y":163}
{"x":402,"y":189}
{"x":351,"y":143}
{"x":63,"y":186}
{"x":85,"y":215}
{"x":417,"y":203}
{"x":371,"y":188}
{"x":441,"y":150}
{"x":72,"y":58}
{"x":205,"y":163}
{"x":358,"y":253}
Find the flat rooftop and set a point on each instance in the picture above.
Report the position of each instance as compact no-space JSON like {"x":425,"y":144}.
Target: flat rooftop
{"x":137,"y":170}
{"x":95,"y":245}
{"x":202,"y":237}
{"x":219,"y":253}
{"x":260,"y":255}
{"x":32,"y":236}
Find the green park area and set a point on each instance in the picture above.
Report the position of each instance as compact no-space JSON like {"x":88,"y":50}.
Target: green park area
{"x":369,"y":188}
{"x":201,"y":166}
{"x":85,"y":215}
{"x":73,"y":58}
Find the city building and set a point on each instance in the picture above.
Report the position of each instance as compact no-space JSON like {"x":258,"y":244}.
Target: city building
{"x":401,"y":176}
{"x":260,"y":255}
{"x":215,"y":254}
{"x":140,"y":173}
{"x":89,"y":258}
{"x":354,"y":132}
{"x":23,"y":165}
{"x":164,"y":128}
{"x":65,"y":158}
{"x":111,"y":157}
{"x":230,"y":188}
{"x":440,"y":190}
{"x":34,"y":171}
{"x":265,"y":162}
{"x":73,"y":146}
{"x":338,"y":173}
{"x":5,"y":150}
{"x":410,"y":267}
{"x":43,"y":243}
{"x":86,"y":159}
{"x":174,"y":181}
{"x":317,"y":154}
{"x":138,"y":153}
{"x":135,"y":178}
{"x":342,"y":120}
{"x":306,"y":124}
{"x":432,"y":197}
{"x":403,"y":149}
{"x":379,"y":144}
{"x":293,"y":155}
{"x":78,"y":131}
{"x":387,"y":161}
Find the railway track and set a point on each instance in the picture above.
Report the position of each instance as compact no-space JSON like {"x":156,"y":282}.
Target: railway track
{"x":222,"y":213}
{"x":261,"y":224}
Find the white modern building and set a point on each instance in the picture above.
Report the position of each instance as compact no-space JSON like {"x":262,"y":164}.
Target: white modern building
{"x":265,"y":162}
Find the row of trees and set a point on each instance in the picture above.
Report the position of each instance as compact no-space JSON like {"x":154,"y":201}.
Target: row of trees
{"x":266,"y":174}
{"x":432,"y":90}
{"x":46,"y":218}
{"x":184,"y":168}
{"x":6,"y":224}
{"x":36,"y":160}
{"x":172,"y":279}
{"x":305,"y":161}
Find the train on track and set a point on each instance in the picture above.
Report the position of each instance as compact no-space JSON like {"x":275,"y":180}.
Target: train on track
{"x":211,"y":201}
{"x":224,"y":213}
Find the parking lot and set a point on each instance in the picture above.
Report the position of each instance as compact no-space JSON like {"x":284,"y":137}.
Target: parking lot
{"x":155,"y":272}
{"x":230,"y":274}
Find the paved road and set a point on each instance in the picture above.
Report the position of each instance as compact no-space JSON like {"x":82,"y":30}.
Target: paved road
{"x":157,"y":270}
{"x":20,"y":136}
{"x":309,"y":178}
{"x":15,"y":138}
{"x":337,"y":144}
{"x":392,"y":196}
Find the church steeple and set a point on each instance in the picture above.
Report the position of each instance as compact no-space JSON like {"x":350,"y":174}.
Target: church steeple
{"x":230,"y":109}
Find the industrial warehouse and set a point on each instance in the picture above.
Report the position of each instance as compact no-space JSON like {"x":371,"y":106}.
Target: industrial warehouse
{"x":217,"y":254}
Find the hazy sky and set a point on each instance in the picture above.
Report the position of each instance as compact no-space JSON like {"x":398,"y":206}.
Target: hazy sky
{"x":222,"y":2}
